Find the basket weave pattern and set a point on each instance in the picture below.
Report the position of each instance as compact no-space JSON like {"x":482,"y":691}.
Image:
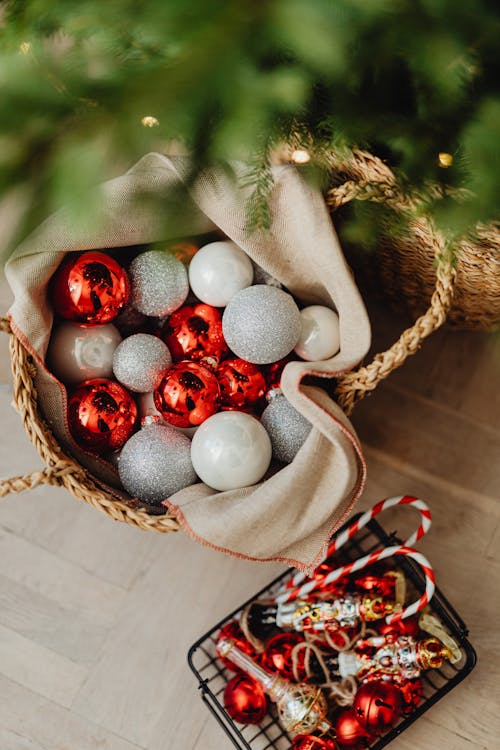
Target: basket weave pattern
{"x":369,"y":180}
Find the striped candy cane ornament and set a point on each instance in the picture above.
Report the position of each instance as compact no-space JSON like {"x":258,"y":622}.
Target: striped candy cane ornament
{"x":294,"y":589}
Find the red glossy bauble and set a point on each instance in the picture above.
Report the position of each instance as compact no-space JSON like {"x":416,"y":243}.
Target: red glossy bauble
{"x":274,"y":370}
{"x":234,"y":632}
{"x":195,"y":331}
{"x":187,"y":394}
{"x":101,"y":415}
{"x":312,"y":742}
{"x":89,"y":288}
{"x":245,"y":700}
{"x":377,"y":706}
{"x":408,"y":626}
{"x":278,"y":656}
{"x":411,"y":695}
{"x":242,"y":384}
{"x":349,"y":732}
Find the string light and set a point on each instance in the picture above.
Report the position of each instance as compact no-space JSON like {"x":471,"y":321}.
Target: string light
{"x":25,"y":48}
{"x":445,"y":160}
{"x":301,"y":156}
{"x":149,"y":121}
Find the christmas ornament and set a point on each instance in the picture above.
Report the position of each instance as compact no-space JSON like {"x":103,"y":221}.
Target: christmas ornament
{"x":80,"y":352}
{"x":316,"y":616}
{"x":350,"y":733}
{"x":278,"y":656}
{"x":273,"y":372}
{"x":377,"y":706}
{"x":382,"y":657}
{"x":231,"y":450}
{"x":159,"y":283}
{"x":218,"y":271}
{"x":147,"y":408}
{"x":312,"y":742}
{"x":301,"y":708}
{"x":101,"y":415}
{"x":242,"y":384}
{"x":89,"y":288}
{"x":261,"y":324}
{"x":155,"y":463}
{"x":411,"y":695}
{"x":194,"y":332}
{"x":183,"y":251}
{"x":320,"y":333}
{"x":401,"y":627}
{"x":245,"y":700}
{"x":286,"y":427}
{"x":139,"y":360}
{"x":187,"y":394}
{"x":234,"y":633}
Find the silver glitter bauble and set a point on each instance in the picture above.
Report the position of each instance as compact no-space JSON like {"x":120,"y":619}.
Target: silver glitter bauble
{"x":286,"y":427}
{"x":155,"y":463}
{"x":159,"y":283}
{"x":139,"y":360}
{"x":261,"y":324}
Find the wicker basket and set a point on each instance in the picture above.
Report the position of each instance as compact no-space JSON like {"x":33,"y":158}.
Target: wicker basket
{"x":403,"y":269}
{"x":63,"y":471}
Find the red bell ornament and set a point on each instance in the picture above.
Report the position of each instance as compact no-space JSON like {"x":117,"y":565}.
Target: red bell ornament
{"x":245,"y":700}
{"x":194,"y":332}
{"x":312,"y":742}
{"x":349,"y":732}
{"x":187,"y":394}
{"x":101,"y":415}
{"x":242,"y":384}
{"x":233,"y":632}
{"x":377,"y":706}
{"x":89,"y":288}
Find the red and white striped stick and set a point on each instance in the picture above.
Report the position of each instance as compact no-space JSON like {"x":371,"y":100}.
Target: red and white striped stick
{"x":293,"y":589}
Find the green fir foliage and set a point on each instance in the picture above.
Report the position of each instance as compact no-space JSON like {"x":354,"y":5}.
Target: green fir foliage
{"x":406,"y":79}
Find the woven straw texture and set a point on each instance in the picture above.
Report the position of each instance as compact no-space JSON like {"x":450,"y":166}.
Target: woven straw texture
{"x":369,"y":179}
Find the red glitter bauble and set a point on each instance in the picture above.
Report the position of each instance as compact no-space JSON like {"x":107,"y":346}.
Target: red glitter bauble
{"x":245,"y":700}
{"x":411,"y":695}
{"x":195,"y":331}
{"x":349,"y":732}
{"x":312,"y":742}
{"x":233,"y":632}
{"x":101,"y":415}
{"x":278,"y":656}
{"x":377,"y":706}
{"x":187,"y":394}
{"x":242,"y":384}
{"x":89,"y":288}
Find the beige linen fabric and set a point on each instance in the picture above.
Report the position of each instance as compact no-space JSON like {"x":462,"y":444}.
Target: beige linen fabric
{"x":291,"y":514}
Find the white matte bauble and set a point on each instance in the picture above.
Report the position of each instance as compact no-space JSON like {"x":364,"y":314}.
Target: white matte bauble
{"x":218,"y":271}
{"x":81,"y":352}
{"x":261,"y":324}
{"x":156,"y":463}
{"x":139,"y":360}
{"x":286,"y":427}
{"x":230,"y":450}
{"x":320,"y":333}
{"x":147,"y":408}
{"x":159,"y":283}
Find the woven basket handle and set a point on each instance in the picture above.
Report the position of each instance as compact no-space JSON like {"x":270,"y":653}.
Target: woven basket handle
{"x":51,"y":474}
{"x":372,"y":180}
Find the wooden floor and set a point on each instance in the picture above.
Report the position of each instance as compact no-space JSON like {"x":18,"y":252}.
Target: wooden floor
{"x":96,"y":618}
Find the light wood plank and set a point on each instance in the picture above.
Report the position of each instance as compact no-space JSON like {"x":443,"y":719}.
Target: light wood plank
{"x":38,"y":668}
{"x":31,"y":722}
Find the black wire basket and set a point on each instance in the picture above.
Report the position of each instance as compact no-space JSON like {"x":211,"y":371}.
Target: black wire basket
{"x":213,"y":676}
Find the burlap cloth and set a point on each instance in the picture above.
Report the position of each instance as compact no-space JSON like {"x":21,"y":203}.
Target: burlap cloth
{"x":291,"y":515}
